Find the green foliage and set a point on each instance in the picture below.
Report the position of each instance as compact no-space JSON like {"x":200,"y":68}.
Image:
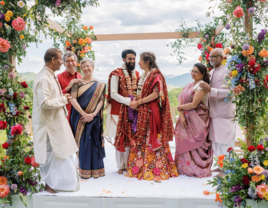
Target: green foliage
{"x":173,"y":96}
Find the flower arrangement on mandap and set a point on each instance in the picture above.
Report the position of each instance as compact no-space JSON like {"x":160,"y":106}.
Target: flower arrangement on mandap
{"x":76,"y":38}
{"x":246,"y":176}
{"x":247,"y":73}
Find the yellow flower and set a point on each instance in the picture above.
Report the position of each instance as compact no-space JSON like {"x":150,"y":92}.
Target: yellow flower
{"x":261,"y":177}
{"x":7,"y":18}
{"x":245,"y":165}
{"x":21,"y":36}
{"x":265,"y":195}
{"x":24,"y":15}
{"x":265,"y":162}
{"x":82,"y":55}
{"x":234,"y":73}
{"x":223,"y":62}
{"x":9,"y":13}
{"x":148,"y":176}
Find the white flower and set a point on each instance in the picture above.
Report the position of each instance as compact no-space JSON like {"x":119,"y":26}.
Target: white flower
{"x":21,"y":4}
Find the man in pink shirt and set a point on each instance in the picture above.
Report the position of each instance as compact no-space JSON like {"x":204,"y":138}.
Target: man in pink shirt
{"x":222,"y":129}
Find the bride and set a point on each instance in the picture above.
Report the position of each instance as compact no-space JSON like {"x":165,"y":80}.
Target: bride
{"x":150,"y":156}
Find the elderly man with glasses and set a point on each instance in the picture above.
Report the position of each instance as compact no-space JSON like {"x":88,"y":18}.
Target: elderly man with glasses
{"x":69,"y":76}
{"x":222,"y":128}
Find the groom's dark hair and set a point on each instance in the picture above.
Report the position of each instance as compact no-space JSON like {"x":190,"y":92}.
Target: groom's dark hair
{"x":128,"y":51}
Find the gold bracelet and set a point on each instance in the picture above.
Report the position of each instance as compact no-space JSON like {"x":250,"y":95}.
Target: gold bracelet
{"x":140,"y":102}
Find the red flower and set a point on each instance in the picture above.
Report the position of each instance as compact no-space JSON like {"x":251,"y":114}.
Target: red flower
{"x":253,"y":67}
{"x":257,"y":82}
{"x":266,"y":81}
{"x":3,"y":125}
{"x":210,"y":68}
{"x":15,"y":96}
{"x":260,"y":147}
{"x":24,"y":84}
{"x":238,"y":12}
{"x":207,"y":57}
{"x":16,"y":129}
{"x":199,"y":46}
{"x":244,"y":161}
{"x":2,"y":107}
{"x":218,"y":45}
{"x":230,"y":149}
{"x":5,"y":145}
{"x":246,"y":180}
{"x":27,"y":160}
{"x":17,"y":113}
{"x":26,"y":107}
{"x":251,"y":148}
{"x":33,"y":163}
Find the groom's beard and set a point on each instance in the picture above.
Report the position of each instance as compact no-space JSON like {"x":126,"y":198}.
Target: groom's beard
{"x":129,"y":66}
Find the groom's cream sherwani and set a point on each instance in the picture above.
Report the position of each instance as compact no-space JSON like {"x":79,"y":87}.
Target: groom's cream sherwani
{"x":54,"y":143}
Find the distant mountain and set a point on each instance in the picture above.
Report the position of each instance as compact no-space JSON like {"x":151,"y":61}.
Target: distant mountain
{"x":27,"y":76}
{"x":179,"y":81}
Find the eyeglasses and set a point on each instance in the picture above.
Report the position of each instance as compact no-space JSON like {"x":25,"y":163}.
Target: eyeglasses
{"x":73,"y":61}
{"x":212,"y":57}
{"x":192,"y":71}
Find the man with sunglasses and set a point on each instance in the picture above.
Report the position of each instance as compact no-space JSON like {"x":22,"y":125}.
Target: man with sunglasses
{"x":222,"y":130}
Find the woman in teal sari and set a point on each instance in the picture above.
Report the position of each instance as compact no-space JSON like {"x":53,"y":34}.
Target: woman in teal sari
{"x":87,"y":122}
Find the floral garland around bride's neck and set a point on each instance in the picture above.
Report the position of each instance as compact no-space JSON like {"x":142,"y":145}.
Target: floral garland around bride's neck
{"x":141,"y":82}
{"x":131,"y":84}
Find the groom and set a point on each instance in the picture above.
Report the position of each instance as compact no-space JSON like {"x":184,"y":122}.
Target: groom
{"x":122,"y":83}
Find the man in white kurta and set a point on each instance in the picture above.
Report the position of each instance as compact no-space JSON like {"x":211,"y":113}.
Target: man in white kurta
{"x":54,"y":144}
{"x":110,"y":131}
{"x":222,"y":129}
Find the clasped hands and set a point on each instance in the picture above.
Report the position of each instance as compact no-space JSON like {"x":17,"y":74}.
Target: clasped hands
{"x":134,"y":104}
{"x":87,"y":117}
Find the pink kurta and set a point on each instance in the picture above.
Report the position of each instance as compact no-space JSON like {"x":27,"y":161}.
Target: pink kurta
{"x":221,"y":113}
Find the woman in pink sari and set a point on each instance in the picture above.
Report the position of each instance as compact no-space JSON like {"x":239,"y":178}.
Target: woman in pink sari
{"x":193,"y":149}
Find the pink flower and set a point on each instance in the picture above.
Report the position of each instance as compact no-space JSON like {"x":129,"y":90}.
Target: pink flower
{"x":4,"y":45}
{"x":159,"y":164}
{"x":238,"y":12}
{"x":237,"y":90}
{"x":156,"y":171}
{"x":262,"y":1}
{"x":12,"y":75}
{"x":18,"y":24}
{"x":17,"y":129}
{"x":135,"y":170}
{"x":261,"y":189}
{"x":22,"y":95}
{"x":89,"y":41}
{"x":2,"y":92}
{"x":139,"y":163}
{"x":4,"y":190}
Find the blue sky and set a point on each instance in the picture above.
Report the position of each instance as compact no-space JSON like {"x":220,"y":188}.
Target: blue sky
{"x":132,"y":16}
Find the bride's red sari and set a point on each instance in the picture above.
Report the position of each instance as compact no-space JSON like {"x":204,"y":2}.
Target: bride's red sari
{"x":150,"y":156}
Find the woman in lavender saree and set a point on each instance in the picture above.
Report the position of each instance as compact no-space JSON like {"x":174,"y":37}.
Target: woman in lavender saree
{"x":193,"y":149}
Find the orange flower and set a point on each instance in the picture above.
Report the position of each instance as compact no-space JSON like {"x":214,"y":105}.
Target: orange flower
{"x":200,"y":58}
{"x":220,"y":164}
{"x":263,"y":53}
{"x":77,"y":64}
{"x":250,"y":171}
{"x":6,"y":158}
{"x":4,"y":190}
{"x":258,"y":169}
{"x":175,"y":171}
{"x":255,"y":178}
{"x":2,"y":3}
{"x":20,"y":173}
{"x":206,"y":192}
{"x":85,"y":28}
{"x":248,"y":52}
{"x":82,"y":52}
{"x":221,"y":157}
{"x":210,"y":48}
{"x":80,"y":41}
{"x":3,"y":180}
{"x":67,"y":43}
{"x":74,"y":41}
{"x":148,"y":176}
{"x":91,"y":27}
{"x":89,"y":48}
{"x":251,"y":57}
{"x":237,"y":90}
{"x":226,"y":51}
{"x":218,"y":197}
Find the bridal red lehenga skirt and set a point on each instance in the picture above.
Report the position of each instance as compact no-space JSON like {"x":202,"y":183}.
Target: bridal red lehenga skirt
{"x":146,"y":164}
